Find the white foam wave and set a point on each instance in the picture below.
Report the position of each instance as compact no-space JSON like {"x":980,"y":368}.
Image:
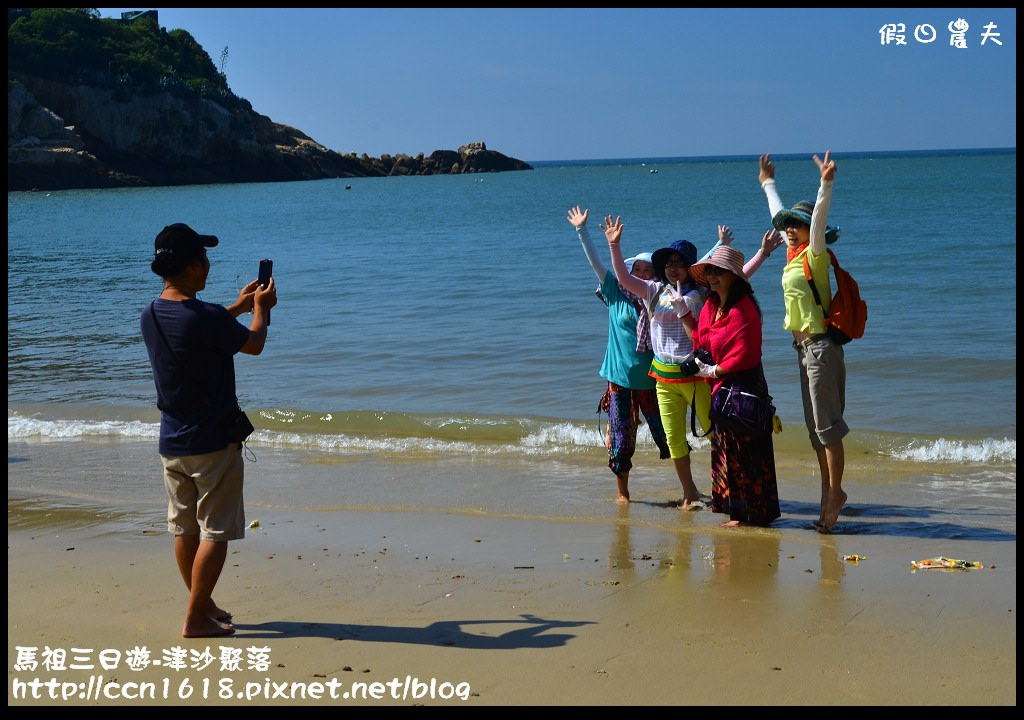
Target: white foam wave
{"x":23,"y":428}
{"x":564,"y":434}
{"x":442,"y":422}
{"x":559,"y":438}
{"x":567,"y":437}
{"x":958,"y":451}
{"x":352,"y":443}
{"x":569,"y":434}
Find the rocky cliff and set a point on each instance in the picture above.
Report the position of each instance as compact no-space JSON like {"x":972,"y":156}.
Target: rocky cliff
{"x":62,"y":136}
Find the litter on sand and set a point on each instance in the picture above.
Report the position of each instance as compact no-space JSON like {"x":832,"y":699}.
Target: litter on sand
{"x":854,"y":558}
{"x":945,"y":563}
{"x":254,"y":524}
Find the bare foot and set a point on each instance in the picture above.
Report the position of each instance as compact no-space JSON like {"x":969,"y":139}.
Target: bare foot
{"x":622,"y":500}
{"x":696,"y":503}
{"x":218,"y":613}
{"x":207,"y":627}
{"x":836,"y":500}
{"x":734,"y":523}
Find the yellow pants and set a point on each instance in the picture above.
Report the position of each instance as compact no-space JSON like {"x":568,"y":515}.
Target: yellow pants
{"x":674,"y":401}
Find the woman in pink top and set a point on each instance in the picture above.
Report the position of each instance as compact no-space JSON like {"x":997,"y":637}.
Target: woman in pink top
{"x":742,"y":466}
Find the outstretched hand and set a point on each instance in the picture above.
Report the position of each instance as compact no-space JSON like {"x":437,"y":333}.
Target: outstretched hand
{"x":246,"y":297}
{"x":771,"y":240}
{"x":724,"y":235}
{"x":826,"y":166}
{"x":766,"y":168}
{"x":612,"y":229}
{"x":577,"y":217}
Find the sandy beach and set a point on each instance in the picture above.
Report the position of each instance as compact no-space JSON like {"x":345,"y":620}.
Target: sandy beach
{"x":507,"y":611}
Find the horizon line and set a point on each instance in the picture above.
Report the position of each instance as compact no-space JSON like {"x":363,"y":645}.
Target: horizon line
{"x":790,"y":155}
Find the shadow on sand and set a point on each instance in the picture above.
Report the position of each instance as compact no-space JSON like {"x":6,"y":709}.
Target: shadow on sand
{"x":881,"y":519}
{"x":449,"y":633}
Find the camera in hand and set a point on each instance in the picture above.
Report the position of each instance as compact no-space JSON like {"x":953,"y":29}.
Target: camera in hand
{"x":266,"y":272}
{"x":263,"y":278}
{"x":689,"y":364}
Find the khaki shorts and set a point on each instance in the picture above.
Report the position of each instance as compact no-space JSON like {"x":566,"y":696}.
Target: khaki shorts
{"x":823,"y":387}
{"x":204,"y":494}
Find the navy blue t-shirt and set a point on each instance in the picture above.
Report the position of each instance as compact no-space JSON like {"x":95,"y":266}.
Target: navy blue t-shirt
{"x":195,"y":403}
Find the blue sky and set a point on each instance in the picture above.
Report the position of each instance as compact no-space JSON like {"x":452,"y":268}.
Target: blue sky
{"x":563,"y":84}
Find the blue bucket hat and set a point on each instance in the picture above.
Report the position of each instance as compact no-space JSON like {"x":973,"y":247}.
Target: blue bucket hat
{"x":684,"y":247}
{"x":801,"y":212}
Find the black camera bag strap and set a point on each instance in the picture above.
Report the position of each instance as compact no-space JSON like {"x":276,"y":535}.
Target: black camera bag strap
{"x":693,"y":417}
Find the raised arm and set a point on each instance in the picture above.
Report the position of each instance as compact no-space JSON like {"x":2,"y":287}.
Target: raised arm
{"x":819,"y":218}
{"x":613,"y":232}
{"x":578,"y":218}
{"x":766,"y":176}
{"x":771,"y":240}
{"x":724,"y":238}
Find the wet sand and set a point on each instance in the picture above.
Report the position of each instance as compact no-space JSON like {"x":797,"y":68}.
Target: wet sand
{"x":513,"y":611}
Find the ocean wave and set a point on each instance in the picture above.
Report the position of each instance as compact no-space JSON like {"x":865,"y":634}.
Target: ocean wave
{"x":564,"y":434}
{"x":958,"y":451}
{"x":403,"y":445}
{"x":23,"y":428}
{"x":398,"y":433}
{"x":572,"y":434}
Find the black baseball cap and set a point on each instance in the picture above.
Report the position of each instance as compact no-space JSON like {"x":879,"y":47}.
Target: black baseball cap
{"x":180,"y":236}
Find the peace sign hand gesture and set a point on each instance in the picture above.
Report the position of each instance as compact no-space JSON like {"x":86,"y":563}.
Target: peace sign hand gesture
{"x":826,"y":166}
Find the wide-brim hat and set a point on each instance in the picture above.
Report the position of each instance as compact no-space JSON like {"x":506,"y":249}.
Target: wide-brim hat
{"x":802,"y":213}
{"x":684,"y":247}
{"x":725,"y":257}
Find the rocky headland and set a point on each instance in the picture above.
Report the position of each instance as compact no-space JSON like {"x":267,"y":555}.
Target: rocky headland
{"x":62,"y":136}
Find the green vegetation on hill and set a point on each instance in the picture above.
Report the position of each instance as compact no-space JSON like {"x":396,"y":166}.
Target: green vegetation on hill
{"x":76,"y":46}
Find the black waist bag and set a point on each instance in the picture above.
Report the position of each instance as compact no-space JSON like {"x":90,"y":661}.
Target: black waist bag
{"x":238,"y":427}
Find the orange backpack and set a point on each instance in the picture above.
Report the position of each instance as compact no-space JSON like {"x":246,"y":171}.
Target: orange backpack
{"x":848,"y":314}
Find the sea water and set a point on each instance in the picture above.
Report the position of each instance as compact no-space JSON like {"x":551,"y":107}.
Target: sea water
{"x":453,"y":318}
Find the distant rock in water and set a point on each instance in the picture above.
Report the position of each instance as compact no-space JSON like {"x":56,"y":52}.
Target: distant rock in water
{"x":62,"y":136}
{"x":470,"y":158}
